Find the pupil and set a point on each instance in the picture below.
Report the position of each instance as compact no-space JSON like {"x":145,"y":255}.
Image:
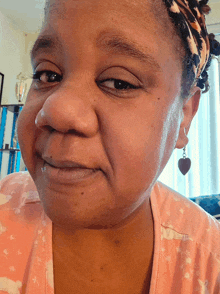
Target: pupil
{"x":52,"y":77}
{"x":120,"y":85}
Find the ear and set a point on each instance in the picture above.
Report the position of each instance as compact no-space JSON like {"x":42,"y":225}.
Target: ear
{"x":189,"y":110}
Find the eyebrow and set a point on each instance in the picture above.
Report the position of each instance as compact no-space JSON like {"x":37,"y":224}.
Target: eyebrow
{"x":44,"y":42}
{"x":121,"y":45}
{"x":108,"y":42}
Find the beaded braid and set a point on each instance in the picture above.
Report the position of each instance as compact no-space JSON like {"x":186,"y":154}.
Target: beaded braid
{"x":190,"y":60}
{"x":214,"y":50}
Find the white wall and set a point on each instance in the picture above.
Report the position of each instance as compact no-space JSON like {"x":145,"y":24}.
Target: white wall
{"x":12,"y":43}
{"x":214,"y":16}
{"x":213,"y":20}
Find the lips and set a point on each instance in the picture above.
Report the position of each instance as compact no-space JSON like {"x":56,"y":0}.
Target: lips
{"x":67,"y":164}
{"x":67,"y":172}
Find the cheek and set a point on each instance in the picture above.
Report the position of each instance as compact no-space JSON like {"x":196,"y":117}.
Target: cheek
{"x":133,"y":149}
{"x":140,"y":144}
{"x":26,"y":135}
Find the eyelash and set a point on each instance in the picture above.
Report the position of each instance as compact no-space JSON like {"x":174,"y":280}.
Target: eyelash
{"x":117,"y":82}
{"x":37,"y":75}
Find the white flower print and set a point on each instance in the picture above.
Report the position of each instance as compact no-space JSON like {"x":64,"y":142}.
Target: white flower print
{"x":10,"y":286}
{"x":4,"y":198}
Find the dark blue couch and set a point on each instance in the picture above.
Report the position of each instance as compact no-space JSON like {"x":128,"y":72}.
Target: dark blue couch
{"x":210,"y":203}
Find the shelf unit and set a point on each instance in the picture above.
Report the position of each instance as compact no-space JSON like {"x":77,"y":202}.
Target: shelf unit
{"x":10,"y":154}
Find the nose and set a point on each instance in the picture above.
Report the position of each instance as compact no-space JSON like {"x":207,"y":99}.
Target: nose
{"x":66,"y":110}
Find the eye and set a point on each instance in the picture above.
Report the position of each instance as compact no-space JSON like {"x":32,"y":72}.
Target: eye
{"x":116,"y":84}
{"x":46,"y":76}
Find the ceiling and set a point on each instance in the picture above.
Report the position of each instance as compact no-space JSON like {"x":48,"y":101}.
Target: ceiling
{"x":27,"y":15}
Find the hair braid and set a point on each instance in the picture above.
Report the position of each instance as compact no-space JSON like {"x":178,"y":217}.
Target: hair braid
{"x":203,"y":82}
{"x":214,"y":50}
{"x":188,"y":76}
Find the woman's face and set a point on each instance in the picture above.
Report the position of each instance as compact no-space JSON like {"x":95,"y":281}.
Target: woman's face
{"x":111,"y":104}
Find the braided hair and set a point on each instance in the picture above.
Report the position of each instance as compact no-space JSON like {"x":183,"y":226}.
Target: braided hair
{"x":214,"y":50}
{"x":188,"y":75}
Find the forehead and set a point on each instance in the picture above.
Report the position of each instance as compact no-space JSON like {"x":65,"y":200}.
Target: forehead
{"x":60,"y":6}
{"x":150,"y":15}
{"x":141,"y":12}
{"x":147,"y":10}
{"x":116,"y":38}
{"x":129,"y":16}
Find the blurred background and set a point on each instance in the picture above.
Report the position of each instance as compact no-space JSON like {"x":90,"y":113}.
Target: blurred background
{"x":20,"y":23}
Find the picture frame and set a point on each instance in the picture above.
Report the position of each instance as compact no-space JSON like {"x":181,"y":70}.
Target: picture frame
{"x":1,"y":86}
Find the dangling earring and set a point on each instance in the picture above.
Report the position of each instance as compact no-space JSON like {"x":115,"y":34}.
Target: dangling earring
{"x":184,"y":163}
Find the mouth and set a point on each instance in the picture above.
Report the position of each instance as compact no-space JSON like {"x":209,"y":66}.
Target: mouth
{"x":64,"y":163}
{"x":66,"y":172}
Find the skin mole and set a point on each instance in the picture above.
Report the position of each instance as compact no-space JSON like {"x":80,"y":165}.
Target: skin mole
{"x":103,"y":266}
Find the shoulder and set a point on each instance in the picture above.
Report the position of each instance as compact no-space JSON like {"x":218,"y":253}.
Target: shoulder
{"x":180,"y":214}
{"x":21,"y":215}
{"x":16,"y":190}
{"x":19,"y":179}
{"x":20,"y":204}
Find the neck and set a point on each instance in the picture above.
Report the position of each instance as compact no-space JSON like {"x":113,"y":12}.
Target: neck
{"x":107,"y":251}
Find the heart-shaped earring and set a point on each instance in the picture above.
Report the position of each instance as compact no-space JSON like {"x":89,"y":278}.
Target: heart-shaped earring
{"x":184,"y":163}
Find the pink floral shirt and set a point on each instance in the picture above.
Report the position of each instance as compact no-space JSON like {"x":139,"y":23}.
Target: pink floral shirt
{"x":186,"y":246}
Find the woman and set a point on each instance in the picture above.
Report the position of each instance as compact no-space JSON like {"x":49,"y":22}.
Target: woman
{"x":116,"y":85}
